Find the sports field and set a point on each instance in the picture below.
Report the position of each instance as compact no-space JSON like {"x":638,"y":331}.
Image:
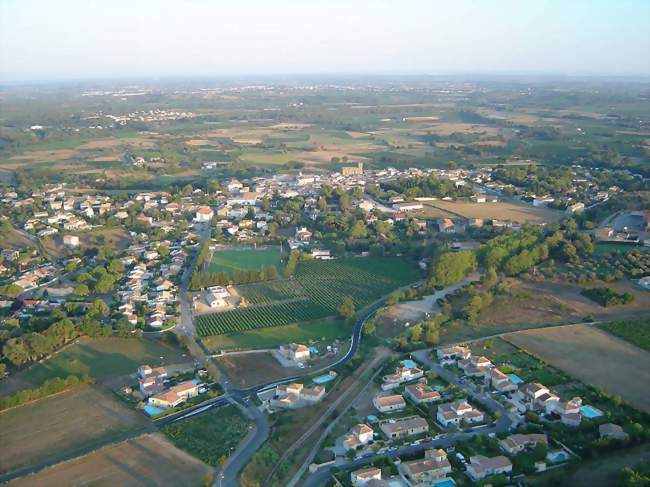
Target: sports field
{"x":593,"y":356}
{"x":501,"y":211}
{"x":146,"y":460}
{"x":231,"y":260}
{"x":43,"y":429}
{"x":100,"y":358}
{"x":315,"y":291}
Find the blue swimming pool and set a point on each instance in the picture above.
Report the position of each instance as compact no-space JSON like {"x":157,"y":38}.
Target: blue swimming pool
{"x":557,"y":456}
{"x":590,"y":412}
{"x":444,"y":483}
{"x":151,"y":410}
{"x":409,"y":364}
{"x":322,"y":379}
{"x":515,"y":378}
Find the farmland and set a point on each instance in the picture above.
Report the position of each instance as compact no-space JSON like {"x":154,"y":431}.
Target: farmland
{"x":66,"y":421}
{"x":100,"y":358}
{"x":320,"y":330}
{"x":594,"y":357}
{"x":231,"y":260}
{"x":210,"y":437}
{"x":637,"y":332}
{"x":315,"y":291}
{"x":149,"y":457}
{"x":503,"y":211}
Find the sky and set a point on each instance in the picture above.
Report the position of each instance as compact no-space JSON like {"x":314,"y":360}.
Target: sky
{"x":89,"y":39}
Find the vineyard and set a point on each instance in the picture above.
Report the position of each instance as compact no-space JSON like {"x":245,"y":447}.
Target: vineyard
{"x":315,"y":291}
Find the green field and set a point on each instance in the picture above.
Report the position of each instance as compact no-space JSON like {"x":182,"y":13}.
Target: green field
{"x":326,"y":329}
{"x":211,"y":437}
{"x":255,"y":156}
{"x":637,"y":332}
{"x":315,"y":291}
{"x":603,"y":248}
{"x":244,"y":259}
{"x":99,"y":358}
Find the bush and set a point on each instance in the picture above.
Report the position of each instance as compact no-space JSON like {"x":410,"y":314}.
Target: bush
{"x":607,"y":296}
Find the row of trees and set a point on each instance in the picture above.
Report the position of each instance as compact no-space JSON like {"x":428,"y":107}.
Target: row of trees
{"x":48,"y":388}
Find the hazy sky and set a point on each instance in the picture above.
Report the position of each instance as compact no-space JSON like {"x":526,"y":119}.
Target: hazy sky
{"x":69,"y":39}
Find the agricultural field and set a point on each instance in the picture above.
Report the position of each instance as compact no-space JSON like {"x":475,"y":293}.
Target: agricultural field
{"x":594,"y":357}
{"x":61,"y":423}
{"x":321,"y":287}
{"x":210,"y":437}
{"x":515,"y":212}
{"x":231,"y":260}
{"x":150,"y":457}
{"x":326,"y":329}
{"x":100,"y":358}
{"x":636,"y":332}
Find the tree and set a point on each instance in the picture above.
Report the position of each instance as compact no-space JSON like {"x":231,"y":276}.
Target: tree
{"x":81,"y":290}
{"x":358,"y":230}
{"x":16,"y":351}
{"x":416,"y":333}
{"x":97,"y":309}
{"x":346,"y":308}
{"x":11,"y":290}
{"x":450,"y":268}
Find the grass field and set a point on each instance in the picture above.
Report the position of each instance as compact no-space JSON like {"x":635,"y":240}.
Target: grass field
{"x":255,"y":156}
{"x":101,"y":358}
{"x":315,"y":291}
{"x":245,"y":259}
{"x":637,"y":332}
{"x":603,"y":248}
{"x":319,"y":330}
{"x":212,"y":436}
{"x":502,"y":211}
{"x":116,"y":239}
{"x":594,"y":357}
{"x":147,"y":460}
{"x":67,"y":421}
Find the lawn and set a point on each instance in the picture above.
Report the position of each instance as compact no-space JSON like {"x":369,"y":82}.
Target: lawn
{"x":315,"y":291}
{"x":255,"y":156}
{"x":319,"y":330}
{"x":212,"y":436}
{"x":244,"y":259}
{"x":604,"y":248}
{"x":637,"y":332}
{"x":101,"y":358}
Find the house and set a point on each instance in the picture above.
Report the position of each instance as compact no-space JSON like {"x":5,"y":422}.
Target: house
{"x":360,"y":435}
{"x":291,"y":396}
{"x":402,"y":374}
{"x":453,"y":413}
{"x":360,"y":478}
{"x":403,"y":427}
{"x":571,"y":419}
{"x":452,"y":354}
{"x":71,"y":241}
{"x":352,"y":170}
{"x":612,"y":431}
{"x":500,"y":381}
{"x":577,"y":207}
{"x":321,"y":254}
{"x":295,"y":351}
{"x":535,"y":396}
{"x":234,"y":186}
{"x":385,"y":404}
{"x":215,"y":301}
{"x":412,"y":206}
{"x":204,"y":214}
{"x":517,"y":443}
{"x":10,"y":254}
{"x":481,"y":467}
{"x":245,"y":198}
{"x":303,"y":235}
{"x":478,"y":198}
{"x":446,"y":225}
{"x":175,"y":395}
{"x":476,"y":366}
{"x":434,"y":466}
{"x":421,"y":393}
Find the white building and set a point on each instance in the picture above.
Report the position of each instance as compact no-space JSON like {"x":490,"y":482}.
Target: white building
{"x":204,"y":214}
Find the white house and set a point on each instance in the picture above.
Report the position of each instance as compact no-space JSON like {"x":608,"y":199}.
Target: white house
{"x":204,"y":214}
{"x":71,"y":241}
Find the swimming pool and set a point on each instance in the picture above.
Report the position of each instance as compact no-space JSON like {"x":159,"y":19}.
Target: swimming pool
{"x":151,"y":410}
{"x":557,"y":456}
{"x":515,"y":379}
{"x":409,"y":364}
{"x":444,"y":483}
{"x":322,"y":379}
{"x":591,"y":412}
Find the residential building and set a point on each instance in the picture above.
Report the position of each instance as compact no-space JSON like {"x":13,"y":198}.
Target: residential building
{"x":401,"y":374}
{"x":71,"y":241}
{"x":295,"y":351}
{"x":360,"y":435}
{"x":360,"y":478}
{"x":434,"y":466}
{"x":481,"y":467}
{"x":411,"y":206}
{"x":500,"y":381}
{"x":452,"y":354}
{"x":421,"y":392}
{"x":517,"y":443}
{"x":404,"y":427}
{"x":291,"y":396}
{"x":612,"y":431}
{"x":204,"y":214}
{"x":476,"y":366}
{"x":175,"y":395}
{"x":453,"y":413}
{"x":386,"y":404}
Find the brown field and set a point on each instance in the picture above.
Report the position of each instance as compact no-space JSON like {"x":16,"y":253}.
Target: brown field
{"x":593,"y":356}
{"x":290,"y":126}
{"x":146,"y":460}
{"x":501,"y":211}
{"x":110,"y":143}
{"x":325,"y":155}
{"x":446,"y":129}
{"x":255,"y":368}
{"x":198,"y":142}
{"x":422,"y":119}
{"x":14,"y":239}
{"x":47,"y":155}
{"x":67,"y":421}
{"x":116,"y":238}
